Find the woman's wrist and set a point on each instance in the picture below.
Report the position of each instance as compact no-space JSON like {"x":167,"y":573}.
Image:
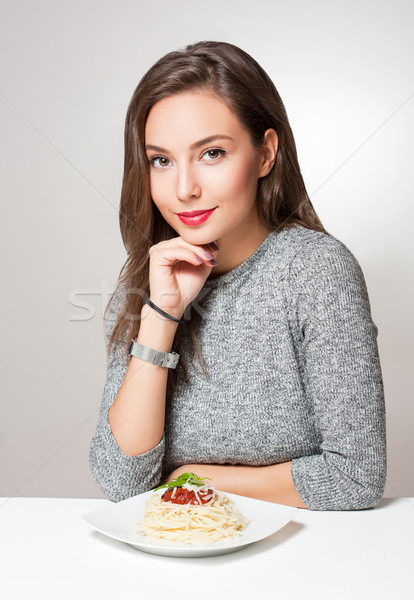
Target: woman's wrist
{"x":156,"y":331}
{"x":162,"y":312}
{"x":159,"y":302}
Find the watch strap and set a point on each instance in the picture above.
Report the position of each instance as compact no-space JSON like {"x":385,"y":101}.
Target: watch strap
{"x":155,"y":357}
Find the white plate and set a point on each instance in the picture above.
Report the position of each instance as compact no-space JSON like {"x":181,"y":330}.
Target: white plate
{"x":118,"y":521}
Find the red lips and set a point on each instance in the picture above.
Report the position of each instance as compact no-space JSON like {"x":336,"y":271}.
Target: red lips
{"x":194,"y":213}
{"x":195,"y":217}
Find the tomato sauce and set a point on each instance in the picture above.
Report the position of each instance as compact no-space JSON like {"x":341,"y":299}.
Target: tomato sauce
{"x":184,"y":496}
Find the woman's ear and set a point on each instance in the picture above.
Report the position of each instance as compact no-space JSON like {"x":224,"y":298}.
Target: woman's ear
{"x":268,"y":152}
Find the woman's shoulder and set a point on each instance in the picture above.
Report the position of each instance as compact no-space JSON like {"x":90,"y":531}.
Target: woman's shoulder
{"x":299,"y":246}
{"x":302,"y":240}
{"x":309,"y":257}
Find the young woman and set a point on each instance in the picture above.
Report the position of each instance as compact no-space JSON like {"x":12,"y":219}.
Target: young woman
{"x":240,"y":340}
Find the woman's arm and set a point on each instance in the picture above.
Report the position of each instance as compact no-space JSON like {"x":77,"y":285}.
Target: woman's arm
{"x":178,"y":271}
{"x":118,"y":474}
{"x":128,"y":446}
{"x":272,"y":483}
{"x":341,"y":371}
{"x":137,"y":414}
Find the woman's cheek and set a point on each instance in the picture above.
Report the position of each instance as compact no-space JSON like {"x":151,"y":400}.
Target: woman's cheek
{"x":223,"y":183}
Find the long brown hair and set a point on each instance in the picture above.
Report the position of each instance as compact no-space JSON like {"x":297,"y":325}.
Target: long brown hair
{"x":239,"y":81}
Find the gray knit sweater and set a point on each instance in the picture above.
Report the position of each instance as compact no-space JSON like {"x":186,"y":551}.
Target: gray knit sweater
{"x":294,"y":375}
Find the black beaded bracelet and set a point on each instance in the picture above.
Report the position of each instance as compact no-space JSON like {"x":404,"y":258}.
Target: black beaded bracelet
{"x":162,"y":312}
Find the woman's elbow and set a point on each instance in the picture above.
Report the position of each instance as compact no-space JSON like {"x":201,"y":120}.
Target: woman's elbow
{"x":368,"y":498}
{"x":364,"y":495}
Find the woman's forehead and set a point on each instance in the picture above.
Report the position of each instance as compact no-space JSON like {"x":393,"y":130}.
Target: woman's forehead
{"x":190,"y":117}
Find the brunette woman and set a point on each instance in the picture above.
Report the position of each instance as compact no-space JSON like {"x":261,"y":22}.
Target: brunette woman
{"x":240,"y":340}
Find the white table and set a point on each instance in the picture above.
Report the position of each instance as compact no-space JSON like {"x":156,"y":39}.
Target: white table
{"x":49,"y":552}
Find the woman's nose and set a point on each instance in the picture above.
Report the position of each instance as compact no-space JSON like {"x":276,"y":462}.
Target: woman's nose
{"x":187,"y":185}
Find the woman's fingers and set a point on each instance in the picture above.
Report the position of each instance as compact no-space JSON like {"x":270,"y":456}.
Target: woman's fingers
{"x":178,"y":271}
{"x":212,"y":247}
{"x":166,"y":253}
{"x":169,"y":256}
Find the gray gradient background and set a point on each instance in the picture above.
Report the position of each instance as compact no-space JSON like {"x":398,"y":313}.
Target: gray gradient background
{"x":68,"y":70}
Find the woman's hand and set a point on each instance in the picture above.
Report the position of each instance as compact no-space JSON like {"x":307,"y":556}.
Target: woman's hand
{"x":177,"y":273}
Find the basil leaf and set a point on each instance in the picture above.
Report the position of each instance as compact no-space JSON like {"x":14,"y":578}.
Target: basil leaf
{"x":182,"y":479}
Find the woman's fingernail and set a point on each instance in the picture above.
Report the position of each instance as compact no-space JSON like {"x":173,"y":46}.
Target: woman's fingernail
{"x":214,"y":245}
{"x":213,"y":262}
{"x":208,"y":254}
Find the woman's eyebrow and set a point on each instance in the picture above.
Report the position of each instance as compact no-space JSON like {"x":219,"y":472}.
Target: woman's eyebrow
{"x":206,"y":140}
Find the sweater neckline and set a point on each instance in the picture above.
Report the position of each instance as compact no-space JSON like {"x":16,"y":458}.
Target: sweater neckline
{"x":243,"y":267}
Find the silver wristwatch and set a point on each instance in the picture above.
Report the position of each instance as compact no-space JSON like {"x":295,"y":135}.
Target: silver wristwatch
{"x":156,"y":357}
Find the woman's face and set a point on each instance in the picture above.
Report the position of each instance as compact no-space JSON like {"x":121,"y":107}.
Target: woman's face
{"x":203,"y":167}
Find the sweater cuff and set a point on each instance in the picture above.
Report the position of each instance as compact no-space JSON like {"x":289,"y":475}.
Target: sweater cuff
{"x":312,"y":487}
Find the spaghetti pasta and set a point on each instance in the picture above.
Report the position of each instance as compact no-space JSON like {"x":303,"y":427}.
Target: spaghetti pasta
{"x":192,"y":523}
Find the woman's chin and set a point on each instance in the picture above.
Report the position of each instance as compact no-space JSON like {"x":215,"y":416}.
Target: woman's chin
{"x":196,"y":238}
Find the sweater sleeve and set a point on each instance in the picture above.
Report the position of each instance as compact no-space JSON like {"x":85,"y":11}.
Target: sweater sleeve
{"x":119,"y":475}
{"x":342,"y":379}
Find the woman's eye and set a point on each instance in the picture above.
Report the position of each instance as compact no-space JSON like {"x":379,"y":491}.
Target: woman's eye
{"x":163,"y":162}
{"x":214,"y":153}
